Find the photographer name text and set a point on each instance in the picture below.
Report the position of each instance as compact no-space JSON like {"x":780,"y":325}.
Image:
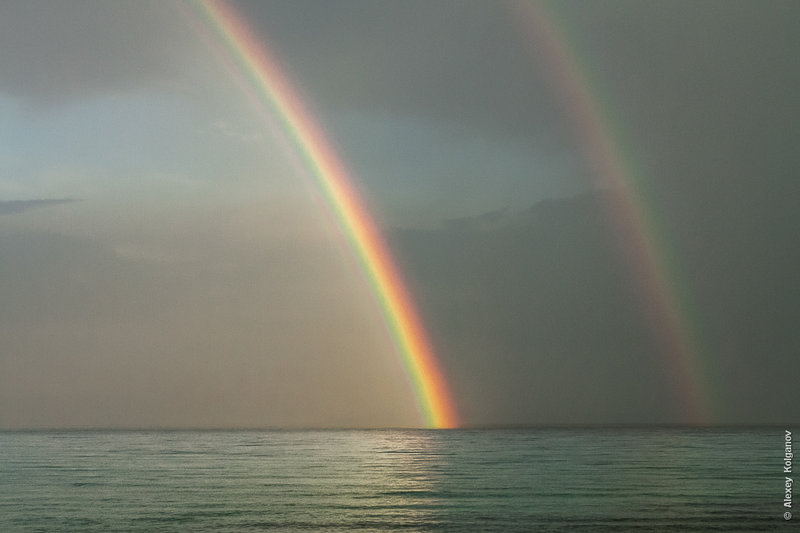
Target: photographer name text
{"x":787,"y":469}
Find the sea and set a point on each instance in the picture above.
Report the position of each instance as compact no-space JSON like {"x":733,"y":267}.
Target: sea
{"x":543,"y":479}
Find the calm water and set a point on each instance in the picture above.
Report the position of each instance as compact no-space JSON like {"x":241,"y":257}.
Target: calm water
{"x":394,"y":480}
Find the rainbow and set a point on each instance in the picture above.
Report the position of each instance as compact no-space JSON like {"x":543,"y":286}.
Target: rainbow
{"x":655,"y":270}
{"x":247,"y":55}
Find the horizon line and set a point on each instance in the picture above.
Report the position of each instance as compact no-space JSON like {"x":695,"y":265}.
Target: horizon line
{"x":466,"y":427}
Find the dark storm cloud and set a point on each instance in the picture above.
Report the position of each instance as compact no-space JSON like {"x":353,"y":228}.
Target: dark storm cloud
{"x":704,"y":91}
{"x":538,"y":320}
{"x":482,"y":221}
{"x":472,"y":63}
{"x":704,"y":95}
{"x":700,"y":97}
{"x":455,"y":60}
{"x":535,"y":320}
{"x":53,"y":52}
{"x":18,"y":206}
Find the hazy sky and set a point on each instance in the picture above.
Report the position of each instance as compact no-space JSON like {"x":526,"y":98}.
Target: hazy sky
{"x":166,"y":261}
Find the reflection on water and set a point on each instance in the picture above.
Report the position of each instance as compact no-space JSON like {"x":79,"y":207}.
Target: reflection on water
{"x":281,"y":479}
{"x":389,"y":480}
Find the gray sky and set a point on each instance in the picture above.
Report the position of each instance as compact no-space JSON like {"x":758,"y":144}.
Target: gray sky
{"x":165,"y":262}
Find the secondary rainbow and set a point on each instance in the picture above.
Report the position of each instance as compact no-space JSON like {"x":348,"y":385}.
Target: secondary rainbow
{"x":266,"y":84}
{"x":655,"y":270}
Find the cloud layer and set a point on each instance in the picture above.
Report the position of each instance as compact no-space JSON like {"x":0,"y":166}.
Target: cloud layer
{"x":55,"y":53}
{"x":18,"y":206}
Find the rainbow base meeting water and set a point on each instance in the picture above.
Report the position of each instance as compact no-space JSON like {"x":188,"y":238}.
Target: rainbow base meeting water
{"x":642,"y":479}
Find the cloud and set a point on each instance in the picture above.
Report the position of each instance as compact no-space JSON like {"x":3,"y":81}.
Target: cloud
{"x":56,"y":52}
{"x":537,"y":317}
{"x":18,"y":206}
{"x":454,"y":60}
{"x":477,"y":222}
{"x":704,"y":94}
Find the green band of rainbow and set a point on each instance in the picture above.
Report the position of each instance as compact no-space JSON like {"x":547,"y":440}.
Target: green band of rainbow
{"x":252,"y":59}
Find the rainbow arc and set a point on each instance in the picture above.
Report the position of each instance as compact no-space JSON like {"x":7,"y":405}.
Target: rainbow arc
{"x":268,"y":85}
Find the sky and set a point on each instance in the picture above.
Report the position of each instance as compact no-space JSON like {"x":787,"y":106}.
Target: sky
{"x":168,"y":260}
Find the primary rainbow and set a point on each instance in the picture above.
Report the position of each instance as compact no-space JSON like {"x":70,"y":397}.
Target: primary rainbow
{"x":267,"y":84}
{"x":655,"y":269}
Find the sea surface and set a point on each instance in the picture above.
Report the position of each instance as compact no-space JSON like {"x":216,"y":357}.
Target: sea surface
{"x":644,"y":479}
